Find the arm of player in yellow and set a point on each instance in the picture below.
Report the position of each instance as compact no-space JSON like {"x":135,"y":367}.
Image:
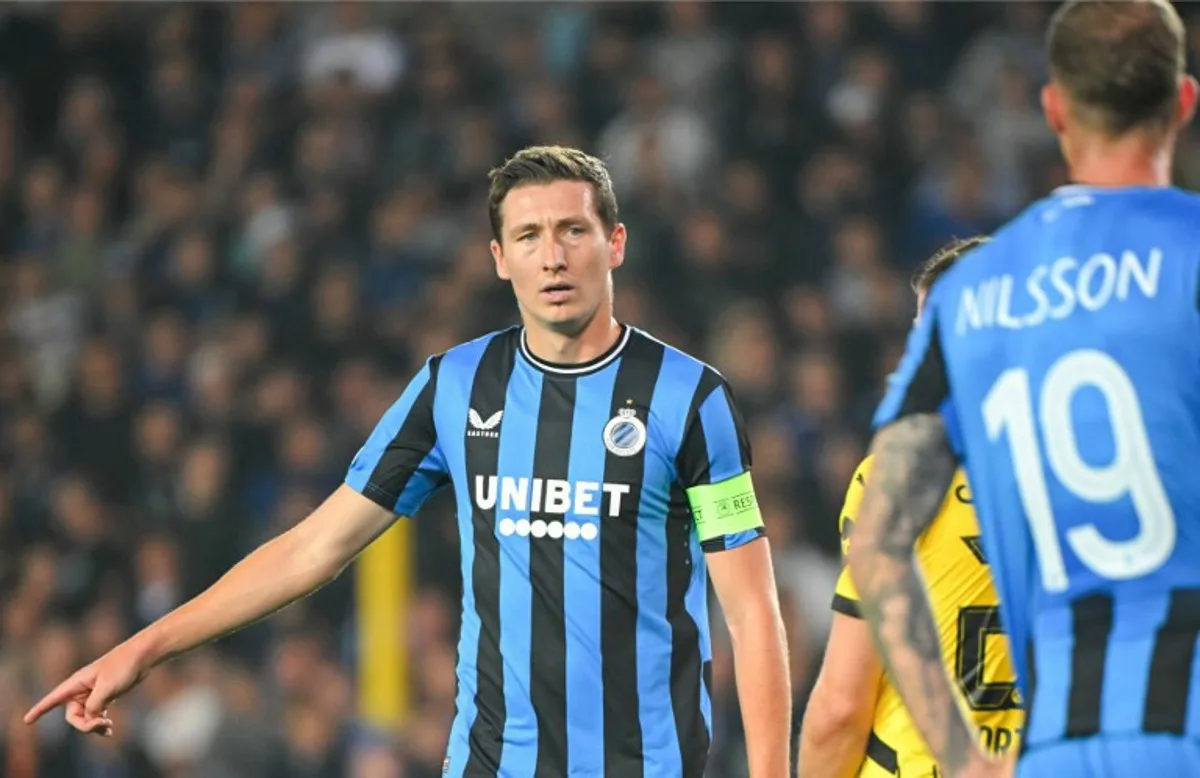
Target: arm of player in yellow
{"x":744,"y":581}
{"x":279,"y":572}
{"x":841,"y":708}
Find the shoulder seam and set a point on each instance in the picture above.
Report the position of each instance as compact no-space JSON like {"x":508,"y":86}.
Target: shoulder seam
{"x":637,"y":331}
{"x":483,"y":340}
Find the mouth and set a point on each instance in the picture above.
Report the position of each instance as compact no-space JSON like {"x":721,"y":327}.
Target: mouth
{"x":557,"y":292}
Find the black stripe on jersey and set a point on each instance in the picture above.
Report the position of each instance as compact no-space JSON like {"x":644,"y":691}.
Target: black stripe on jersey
{"x":693,"y":467}
{"x":548,"y":654}
{"x":488,"y":395}
{"x":693,"y":462}
{"x":636,"y":377}
{"x":414,"y":440}
{"x":882,"y":754}
{"x":685,"y":640}
{"x":1092,"y":619}
{"x":846,"y":606}
{"x":929,"y":386}
{"x":1171,"y":665}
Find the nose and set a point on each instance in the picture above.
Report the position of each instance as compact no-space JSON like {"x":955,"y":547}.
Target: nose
{"x":555,"y":256}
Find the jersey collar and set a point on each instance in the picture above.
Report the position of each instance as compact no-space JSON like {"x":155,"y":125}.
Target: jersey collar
{"x":577,"y":368}
{"x":1076,"y":190}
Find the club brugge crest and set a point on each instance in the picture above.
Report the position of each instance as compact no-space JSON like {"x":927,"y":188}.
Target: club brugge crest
{"x":625,"y":434}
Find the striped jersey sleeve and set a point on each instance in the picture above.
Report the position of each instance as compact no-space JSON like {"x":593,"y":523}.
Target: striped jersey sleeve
{"x":845,"y":594}
{"x":401,"y":464}
{"x":714,"y":468}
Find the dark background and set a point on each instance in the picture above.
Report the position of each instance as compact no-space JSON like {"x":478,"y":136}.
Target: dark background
{"x":230,"y":233}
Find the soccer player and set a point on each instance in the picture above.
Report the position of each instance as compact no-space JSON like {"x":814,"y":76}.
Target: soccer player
{"x":855,"y":723}
{"x":601,"y":477}
{"x":1061,"y":363}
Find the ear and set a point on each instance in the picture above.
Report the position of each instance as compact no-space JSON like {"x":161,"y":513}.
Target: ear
{"x":1185,"y":107}
{"x":616,"y":245}
{"x":1054,"y":107}
{"x":501,"y":265}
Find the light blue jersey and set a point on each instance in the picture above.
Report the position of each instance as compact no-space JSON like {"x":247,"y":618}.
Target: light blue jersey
{"x":1065,"y":355}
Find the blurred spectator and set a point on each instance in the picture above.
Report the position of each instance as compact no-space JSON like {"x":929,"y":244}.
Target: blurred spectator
{"x":48,"y":325}
{"x":1014,"y":39}
{"x":691,"y":55}
{"x":354,"y":47}
{"x":655,"y":144}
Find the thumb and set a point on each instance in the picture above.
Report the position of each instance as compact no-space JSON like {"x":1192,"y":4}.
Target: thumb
{"x":97,"y":701}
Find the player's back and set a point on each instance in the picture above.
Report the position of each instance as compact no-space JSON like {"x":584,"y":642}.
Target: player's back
{"x":1071,"y":347}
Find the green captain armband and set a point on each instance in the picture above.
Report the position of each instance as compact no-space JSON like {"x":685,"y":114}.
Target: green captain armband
{"x":726,"y":508}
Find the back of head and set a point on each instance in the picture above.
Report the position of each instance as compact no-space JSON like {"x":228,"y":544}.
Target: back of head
{"x":1119,"y":62}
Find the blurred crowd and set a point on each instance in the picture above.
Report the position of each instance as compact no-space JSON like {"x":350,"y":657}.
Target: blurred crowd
{"x":231,"y":232}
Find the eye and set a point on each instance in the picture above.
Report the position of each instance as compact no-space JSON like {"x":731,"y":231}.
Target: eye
{"x":575,"y":231}
{"x":526,"y":237}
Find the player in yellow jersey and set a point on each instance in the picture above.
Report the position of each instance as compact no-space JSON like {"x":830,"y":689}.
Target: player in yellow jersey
{"x":855,"y":723}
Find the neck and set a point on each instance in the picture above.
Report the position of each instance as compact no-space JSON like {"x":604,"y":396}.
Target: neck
{"x":593,"y":340}
{"x":1133,"y":160}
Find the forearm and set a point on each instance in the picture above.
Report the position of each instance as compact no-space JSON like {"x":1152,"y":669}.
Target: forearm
{"x":764,"y":691}
{"x":831,"y":746}
{"x":268,"y":579}
{"x":913,"y":469}
{"x":906,"y":633}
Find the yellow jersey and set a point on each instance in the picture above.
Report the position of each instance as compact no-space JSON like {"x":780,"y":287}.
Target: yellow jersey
{"x":974,"y":647}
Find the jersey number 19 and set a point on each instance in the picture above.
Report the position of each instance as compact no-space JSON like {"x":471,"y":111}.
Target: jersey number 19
{"x":1008,"y":407}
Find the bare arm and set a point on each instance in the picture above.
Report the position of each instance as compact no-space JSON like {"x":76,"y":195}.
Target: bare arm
{"x":274,"y":575}
{"x":841,"y":708}
{"x":279,"y":572}
{"x":744,"y":581}
{"x":913,"y":469}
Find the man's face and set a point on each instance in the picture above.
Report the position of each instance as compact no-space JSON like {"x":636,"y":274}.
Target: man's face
{"x":557,"y":253}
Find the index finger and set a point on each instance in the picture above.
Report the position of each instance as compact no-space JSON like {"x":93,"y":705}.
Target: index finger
{"x":61,"y":694}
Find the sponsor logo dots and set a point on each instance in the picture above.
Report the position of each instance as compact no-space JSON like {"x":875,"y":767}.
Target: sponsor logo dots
{"x":538,"y":528}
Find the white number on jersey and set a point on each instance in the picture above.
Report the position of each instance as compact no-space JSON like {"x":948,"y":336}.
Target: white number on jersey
{"x":1009,"y":406}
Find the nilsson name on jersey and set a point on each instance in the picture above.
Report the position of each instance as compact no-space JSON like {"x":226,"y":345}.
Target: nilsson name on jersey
{"x":547,"y":495}
{"x":1056,"y":290}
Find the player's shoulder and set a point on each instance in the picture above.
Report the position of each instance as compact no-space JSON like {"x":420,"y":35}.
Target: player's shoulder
{"x":469,"y":353}
{"x":1169,"y":213}
{"x":1160,"y":205}
{"x":679,"y":372}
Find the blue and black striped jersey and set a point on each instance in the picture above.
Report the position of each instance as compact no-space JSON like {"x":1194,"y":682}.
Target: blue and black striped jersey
{"x":586,"y":497}
{"x":1065,"y":357}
